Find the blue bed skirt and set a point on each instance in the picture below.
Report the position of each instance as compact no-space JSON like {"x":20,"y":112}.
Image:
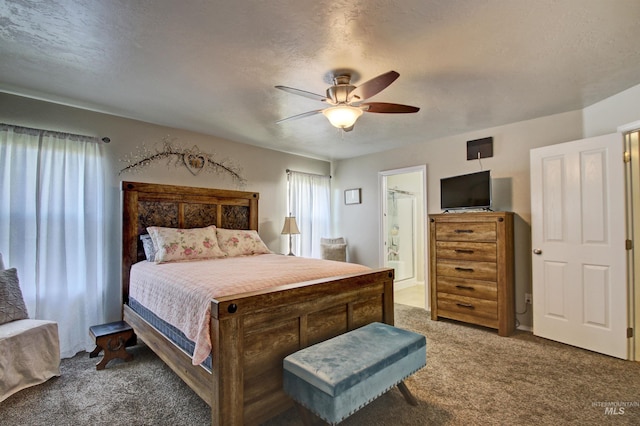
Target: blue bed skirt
{"x":169,"y":331}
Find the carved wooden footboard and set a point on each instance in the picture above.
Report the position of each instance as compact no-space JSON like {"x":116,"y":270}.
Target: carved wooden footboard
{"x":252,"y":335}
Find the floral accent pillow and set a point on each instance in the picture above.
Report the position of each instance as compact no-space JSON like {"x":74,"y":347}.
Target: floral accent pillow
{"x":235,"y":242}
{"x":174,"y":244}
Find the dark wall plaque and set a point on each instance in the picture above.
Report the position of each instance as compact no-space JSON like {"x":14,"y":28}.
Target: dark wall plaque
{"x":480,"y":148}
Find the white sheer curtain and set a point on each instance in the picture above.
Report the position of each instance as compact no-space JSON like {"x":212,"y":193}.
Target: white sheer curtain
{"x":310,"y":203}
{"x":52,"y":227}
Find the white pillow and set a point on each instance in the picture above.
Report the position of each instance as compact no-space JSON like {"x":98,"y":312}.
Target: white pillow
{"x":173,"y":244}
{"x":237,"y":242}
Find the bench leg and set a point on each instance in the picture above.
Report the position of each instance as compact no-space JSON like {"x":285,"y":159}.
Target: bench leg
{"x":408,"y":396}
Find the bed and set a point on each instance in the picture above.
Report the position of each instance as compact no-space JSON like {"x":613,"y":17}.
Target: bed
{"x":250,"y":332}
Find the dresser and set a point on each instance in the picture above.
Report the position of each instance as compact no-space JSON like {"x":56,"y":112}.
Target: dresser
{"x":471,"y":268}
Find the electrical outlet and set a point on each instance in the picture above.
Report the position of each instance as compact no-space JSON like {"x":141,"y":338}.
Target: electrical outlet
{"x":528,"y":298}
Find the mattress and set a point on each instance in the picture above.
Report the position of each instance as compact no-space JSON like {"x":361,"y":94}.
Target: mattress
{"x":180,"y":294}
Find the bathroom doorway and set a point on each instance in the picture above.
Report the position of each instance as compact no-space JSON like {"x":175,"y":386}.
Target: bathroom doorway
{"x":403,"y":232}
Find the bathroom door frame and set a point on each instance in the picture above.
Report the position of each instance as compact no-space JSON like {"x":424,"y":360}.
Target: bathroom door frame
{"x":382,"y":186}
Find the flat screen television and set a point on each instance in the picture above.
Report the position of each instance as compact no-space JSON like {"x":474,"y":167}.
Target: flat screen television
{"x":470,"y":191}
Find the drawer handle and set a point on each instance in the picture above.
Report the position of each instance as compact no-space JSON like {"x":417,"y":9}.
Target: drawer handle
{"x":464,"y":269}
{"x":464,"y":231}
{"x":465,"y":251}
{"x":464,"y":287}
{"x":465,"y":305}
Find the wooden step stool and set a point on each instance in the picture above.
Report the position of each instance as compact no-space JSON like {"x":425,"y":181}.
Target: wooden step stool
{"x":111,"y":338}
{"x":335,"y":378}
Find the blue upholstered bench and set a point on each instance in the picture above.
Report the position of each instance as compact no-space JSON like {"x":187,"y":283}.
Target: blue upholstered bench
{"x":335,"y":378}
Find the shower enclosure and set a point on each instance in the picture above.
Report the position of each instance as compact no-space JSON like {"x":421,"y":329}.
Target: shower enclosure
{"x":403,"y":232}
{"x":401,"y":226}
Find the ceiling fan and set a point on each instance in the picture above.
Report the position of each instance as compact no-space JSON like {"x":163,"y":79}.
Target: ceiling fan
{"x":346,"y":100}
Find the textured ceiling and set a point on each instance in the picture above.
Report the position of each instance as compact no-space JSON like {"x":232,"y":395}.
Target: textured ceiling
{"x":211,"y":66}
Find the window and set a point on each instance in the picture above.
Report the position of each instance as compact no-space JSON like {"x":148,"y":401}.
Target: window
{"x":52,"y":227}
{"x":310,"y":203}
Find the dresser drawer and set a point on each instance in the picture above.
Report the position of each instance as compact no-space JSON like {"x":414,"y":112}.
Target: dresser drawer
{"x":483,"y":252}
{"x":465,"y":287}
{"x":449,"y":304}
{"x":487,"y":271}
{"x":466,"y":231}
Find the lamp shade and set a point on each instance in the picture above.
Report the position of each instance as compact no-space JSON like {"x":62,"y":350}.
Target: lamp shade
{"x":342,"y":116}
{"x":290,"y":226}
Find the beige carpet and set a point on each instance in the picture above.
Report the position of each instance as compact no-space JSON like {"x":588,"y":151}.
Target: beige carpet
{"x":472,"y":377}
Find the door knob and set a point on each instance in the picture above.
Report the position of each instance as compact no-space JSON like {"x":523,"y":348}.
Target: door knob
{"x":537,"y":251}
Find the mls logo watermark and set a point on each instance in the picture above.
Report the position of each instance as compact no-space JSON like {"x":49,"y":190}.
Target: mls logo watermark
{"x":615,"y":408}
{"x":613,"y":411}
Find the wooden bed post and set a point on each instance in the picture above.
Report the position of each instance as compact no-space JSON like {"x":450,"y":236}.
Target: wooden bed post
{"x":388,"y":300}
{"x":227,"y":405}
{"x":129,"y":238}
{"x":253,"y":213}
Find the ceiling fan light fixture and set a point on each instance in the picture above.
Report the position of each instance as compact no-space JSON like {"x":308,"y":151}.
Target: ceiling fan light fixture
{"x":342,"y":116}
{"x":342,"y":95}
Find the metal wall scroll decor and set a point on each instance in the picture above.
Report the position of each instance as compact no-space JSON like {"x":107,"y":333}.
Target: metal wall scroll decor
{"x":192,"y":158}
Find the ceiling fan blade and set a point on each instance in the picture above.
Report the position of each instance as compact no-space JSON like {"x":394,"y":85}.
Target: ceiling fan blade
{"x":387,"y":108}
{"x":373,"y":86}
{"x":303,"y":93}
{"x":303,"y":115}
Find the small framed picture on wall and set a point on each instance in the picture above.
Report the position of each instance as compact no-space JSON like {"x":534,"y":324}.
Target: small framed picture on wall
{"x":352,"y":196}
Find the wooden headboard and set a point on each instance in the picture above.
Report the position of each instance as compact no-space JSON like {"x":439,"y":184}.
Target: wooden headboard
{"x":171,"y":206}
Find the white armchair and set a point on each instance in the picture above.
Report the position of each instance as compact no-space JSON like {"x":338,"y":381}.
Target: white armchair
{"x":334,"y":249}
{"x":29,"y":348}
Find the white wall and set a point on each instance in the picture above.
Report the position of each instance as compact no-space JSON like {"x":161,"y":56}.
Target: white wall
{"x":606,"y":116}
{"x":263,"y":169}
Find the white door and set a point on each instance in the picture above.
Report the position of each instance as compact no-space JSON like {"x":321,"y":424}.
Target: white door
{"x":578,"y":238}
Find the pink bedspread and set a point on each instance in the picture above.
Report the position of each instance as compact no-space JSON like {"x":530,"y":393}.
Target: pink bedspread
{"x":180,"y":293}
